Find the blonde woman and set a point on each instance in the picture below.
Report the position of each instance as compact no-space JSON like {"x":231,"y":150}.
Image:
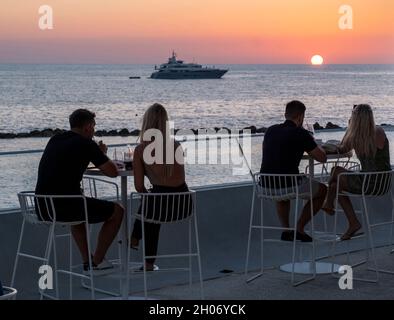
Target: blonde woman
{"x":167,"y":175}
{"x":372,"y":149}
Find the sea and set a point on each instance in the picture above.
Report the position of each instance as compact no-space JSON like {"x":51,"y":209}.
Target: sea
{"x":36,"y":97}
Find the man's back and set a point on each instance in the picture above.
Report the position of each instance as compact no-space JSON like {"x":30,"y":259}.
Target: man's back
{"x":283,"y":147}
{"x":64,"y":161}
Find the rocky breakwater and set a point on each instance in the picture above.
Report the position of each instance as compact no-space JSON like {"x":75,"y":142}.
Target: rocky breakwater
{"x":47,"y":133}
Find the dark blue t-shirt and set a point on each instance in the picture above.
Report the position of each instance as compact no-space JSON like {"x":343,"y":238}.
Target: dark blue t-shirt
{"x":283,"y":147}
{"x":64,"y":161}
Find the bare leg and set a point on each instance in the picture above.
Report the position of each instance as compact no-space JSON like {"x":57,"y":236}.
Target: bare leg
{"x":328,"y":205}
{"x":318,"y":200}
{"x":344,"y":201}
{"x":354,"y":224}
{"x":79,"y":235}
{"x":108,"y":232}
{"x":283,"y":209}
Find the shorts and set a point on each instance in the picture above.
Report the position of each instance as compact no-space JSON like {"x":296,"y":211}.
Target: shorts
{"x":72,"y":210}
{"x":304,"y":189}
{"x":167,"y":208}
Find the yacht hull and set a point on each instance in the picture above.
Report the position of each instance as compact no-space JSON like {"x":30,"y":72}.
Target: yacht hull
{"x":179,"y":75}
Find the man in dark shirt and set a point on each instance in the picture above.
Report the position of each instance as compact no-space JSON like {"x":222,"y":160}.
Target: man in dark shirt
{"x":63,"y":163}
{"x":283,"y":147}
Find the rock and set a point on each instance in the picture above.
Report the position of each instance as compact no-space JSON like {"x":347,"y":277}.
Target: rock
{"x":135,"y":132}
{"x":58,"y":131}
{"x":124,"y":132}
{"x":23,"y":135}
{"x":112,"y":133}
{"x":46,"y":133}
{"x":35,"y":133}
{"x":7,"y":135}
{"x":100,"y":133}
{"x":223,"y":130}
{"x":330,"y":125}
{"x":317,"y":126}
{"x":251,"y":129}
{"x":261,"y":130}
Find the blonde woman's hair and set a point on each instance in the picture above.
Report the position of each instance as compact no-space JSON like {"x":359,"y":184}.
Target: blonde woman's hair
{"x":156,"y":117}
{"x":360,"y":134}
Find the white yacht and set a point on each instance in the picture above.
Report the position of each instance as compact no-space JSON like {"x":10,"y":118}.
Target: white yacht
{"x":177,"y":69}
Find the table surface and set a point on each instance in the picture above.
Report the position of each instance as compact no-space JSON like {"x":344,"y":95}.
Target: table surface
{"x":97,"y":172}
{"x":332,"y":155}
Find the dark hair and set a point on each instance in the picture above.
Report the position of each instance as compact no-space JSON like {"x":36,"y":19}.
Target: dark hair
{"x":294,"y":108}
{"x":81,"y":117}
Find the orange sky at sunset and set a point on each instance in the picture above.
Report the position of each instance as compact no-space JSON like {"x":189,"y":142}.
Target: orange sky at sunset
{"x":214,"y":31}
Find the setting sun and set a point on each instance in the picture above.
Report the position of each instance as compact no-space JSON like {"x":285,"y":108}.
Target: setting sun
{"x":317,"y":60}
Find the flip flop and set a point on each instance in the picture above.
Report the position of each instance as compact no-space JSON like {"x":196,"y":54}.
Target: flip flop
{"x":352,"y":235}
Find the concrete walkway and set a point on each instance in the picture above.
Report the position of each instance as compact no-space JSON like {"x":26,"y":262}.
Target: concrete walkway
{"x":275,"y":284}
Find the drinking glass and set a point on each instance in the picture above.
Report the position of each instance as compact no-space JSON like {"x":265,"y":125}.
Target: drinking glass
{"x":128,"y":159}
{"x":116,"y":157}
{"x":309,"y":127}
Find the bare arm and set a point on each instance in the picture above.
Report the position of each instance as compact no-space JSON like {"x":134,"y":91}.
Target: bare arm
{"x":109,"y":169}
{"x":343,"y":149}
{"x":380,"y":137}
{"x":318,"y":154}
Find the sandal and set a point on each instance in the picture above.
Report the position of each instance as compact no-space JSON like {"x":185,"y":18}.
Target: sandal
{"x":349,"y":235}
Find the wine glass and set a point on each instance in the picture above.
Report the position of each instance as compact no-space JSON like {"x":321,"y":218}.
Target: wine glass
{"x":309,"y":127}
{"x":117,"y":159}
{"x":128,"y":160}
{"x":115,"y":155}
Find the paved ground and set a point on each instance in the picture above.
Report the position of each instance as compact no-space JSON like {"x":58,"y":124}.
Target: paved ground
{"x":275,"y":284}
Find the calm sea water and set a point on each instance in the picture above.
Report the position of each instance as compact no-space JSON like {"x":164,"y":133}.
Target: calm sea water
{"x":42,"y":96}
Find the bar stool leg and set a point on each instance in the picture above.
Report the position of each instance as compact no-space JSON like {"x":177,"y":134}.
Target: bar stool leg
{"x":190,"y":252}
{"x":70,"y":266}
{"x":262,"y":235}
{"x":370,"y":239}
{"x":250,"y":232}
{"x":55,"y":264}
{"x":294,"y":242}
{"x":198,"y":253}
{"x":47,"y":253}
{"x":17,"y":253}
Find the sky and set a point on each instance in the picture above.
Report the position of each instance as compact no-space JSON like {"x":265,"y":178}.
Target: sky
{"x":206,"y":31}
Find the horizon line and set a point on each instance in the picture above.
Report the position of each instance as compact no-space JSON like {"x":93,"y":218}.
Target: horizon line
{"x":208,"y":63}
